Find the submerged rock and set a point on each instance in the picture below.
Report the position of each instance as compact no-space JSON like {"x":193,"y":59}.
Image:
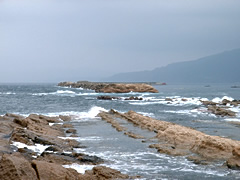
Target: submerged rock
{"x":107,"y":97}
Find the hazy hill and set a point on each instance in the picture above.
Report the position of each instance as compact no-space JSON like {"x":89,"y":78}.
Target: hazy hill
{"x":219,"y":68}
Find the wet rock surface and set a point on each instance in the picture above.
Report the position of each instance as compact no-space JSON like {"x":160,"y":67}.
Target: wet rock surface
{"x":174,"y":139}
{"x":118,"y":98}
{"x":222,"y":108}
{"x":110,"y":87}
{"x":47,"y":164}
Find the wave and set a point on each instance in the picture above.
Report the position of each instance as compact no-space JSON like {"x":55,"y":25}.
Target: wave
{"x":172,"y":101}
{"x":219,"y":100}
{"x":58,"y":92}
{"x":76,"y":115}
{"x":7,"y":93}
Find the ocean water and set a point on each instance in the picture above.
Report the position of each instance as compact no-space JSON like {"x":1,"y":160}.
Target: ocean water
{"x":128,"y":155}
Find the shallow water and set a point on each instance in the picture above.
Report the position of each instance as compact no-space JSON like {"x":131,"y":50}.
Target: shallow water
{"x":121,"y":152}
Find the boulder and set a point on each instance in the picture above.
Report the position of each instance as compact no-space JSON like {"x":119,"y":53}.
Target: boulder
{"x":234,"y":161}
{"x":15,"y":166}
{"x":53,"y":171}
{"x":102,"y":172}
{"x":74,"y":131}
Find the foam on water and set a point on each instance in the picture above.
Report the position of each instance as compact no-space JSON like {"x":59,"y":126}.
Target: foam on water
{"x":219,"y":100}
{"x":152,"y":163}
{"x":7,"y":93}
{"x":202,"y":111}
{"x":146,"y":114}
{"x":58,"y":92}
{"x":38,"y":148}
{"x":90,"y":114}
{"x":79,"y":168}
{"x":174,"y":101}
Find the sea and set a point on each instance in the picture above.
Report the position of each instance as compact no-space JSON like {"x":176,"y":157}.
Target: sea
{"x":132,"y":156}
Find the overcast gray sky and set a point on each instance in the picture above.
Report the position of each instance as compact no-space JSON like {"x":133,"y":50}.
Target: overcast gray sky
{"x":57,"y":40}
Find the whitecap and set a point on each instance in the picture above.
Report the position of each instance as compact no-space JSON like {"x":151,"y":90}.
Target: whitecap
{"x":219,"y":100}
{"x":92,"y":113}
{"x":232,"y":120}
{"x":7,"y":93}
{"x":146,"y":114}
{"x":58,"y":92}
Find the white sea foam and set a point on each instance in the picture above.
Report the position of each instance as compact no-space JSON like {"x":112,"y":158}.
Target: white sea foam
{"x":92,"y":113}
{"x":76,"y":115}
{"x":79,"y":168}
{"x":51,"y":124}
{"x":175,"y":101}
{"x":219,"y":100}
{"x":124,"y":161}
{"x":232,"y":119}
{"x":58,"y":92}
{"x":146,"y":114}
{"x":7,"y":93}
{"x":89,"y":138}
{"x":38,"y":148}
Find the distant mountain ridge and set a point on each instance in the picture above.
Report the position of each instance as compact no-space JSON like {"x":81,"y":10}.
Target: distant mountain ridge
{"x":218,"y":68}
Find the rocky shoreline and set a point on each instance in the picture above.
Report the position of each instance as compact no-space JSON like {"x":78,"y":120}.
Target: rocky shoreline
{"x":110,"y":87}
{"x":177,"y":140}
{"x":35,"y":147}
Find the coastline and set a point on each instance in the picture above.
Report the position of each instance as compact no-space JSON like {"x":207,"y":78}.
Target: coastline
{"x":76,"y":123}
{"x":36,"y":147}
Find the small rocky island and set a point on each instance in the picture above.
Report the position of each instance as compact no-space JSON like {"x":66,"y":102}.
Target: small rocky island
{"x":110,"y":87}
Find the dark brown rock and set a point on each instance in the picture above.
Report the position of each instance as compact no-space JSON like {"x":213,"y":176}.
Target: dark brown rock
{"x":106,"y":98}
{"x":71,"y":131}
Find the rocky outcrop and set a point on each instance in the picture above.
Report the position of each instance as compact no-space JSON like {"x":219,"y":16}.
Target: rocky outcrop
{"x":102,"y":172}
{"x":220,"y":111}
{"x":28,"y":162}
{"x":118,"y":98}
{"x":110,"y":87}
{"x":222,"y":108}
{"x":15,"y":166}
{"x":126,"y":88}
{"x":107,"y":97}
{"x":234,"y":161}
{"x":175,"y":139}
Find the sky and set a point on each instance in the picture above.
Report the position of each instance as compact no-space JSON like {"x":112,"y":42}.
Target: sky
{"x":70,"y":40}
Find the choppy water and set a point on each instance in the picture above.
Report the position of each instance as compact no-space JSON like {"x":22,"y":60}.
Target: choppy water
{"x":121,"y":152}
